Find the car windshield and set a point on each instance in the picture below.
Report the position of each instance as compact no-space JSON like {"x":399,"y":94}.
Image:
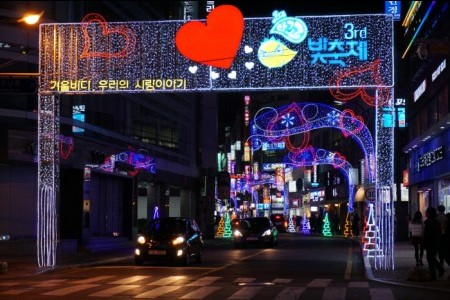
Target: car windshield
{"x":166,"y":227}
{"x":258,"y":222}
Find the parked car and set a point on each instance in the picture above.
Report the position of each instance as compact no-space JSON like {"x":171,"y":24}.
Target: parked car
{"x":174,"y":239}
{"x":279,"y":221}
{"x":258,"y":230}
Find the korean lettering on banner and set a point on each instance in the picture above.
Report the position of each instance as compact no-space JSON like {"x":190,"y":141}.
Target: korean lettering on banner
{"x":71,"y":85}
{"x":393,"y":8}
{"x":334,"y":52}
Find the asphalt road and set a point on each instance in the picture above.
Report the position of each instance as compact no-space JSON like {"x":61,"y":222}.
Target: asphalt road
{"x":298,"y":268}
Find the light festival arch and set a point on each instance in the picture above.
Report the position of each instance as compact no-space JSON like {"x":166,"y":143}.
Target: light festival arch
{"x":225,"y":52}
{"x":271,"y":124}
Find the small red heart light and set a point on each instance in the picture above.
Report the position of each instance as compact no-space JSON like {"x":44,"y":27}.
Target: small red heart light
{"x":354,"y":120}
{"x":216,"y":42}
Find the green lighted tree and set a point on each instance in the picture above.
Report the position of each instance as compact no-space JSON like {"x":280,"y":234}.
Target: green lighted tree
{"x":227,"y":232}
{"x":326,"y":231}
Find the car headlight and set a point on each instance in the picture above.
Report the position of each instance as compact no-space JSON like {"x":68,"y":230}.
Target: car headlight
{"x":267,"y":232}
{"x":178,"y":240}
{"x":237,"y":233}
{"x":141,"y":240}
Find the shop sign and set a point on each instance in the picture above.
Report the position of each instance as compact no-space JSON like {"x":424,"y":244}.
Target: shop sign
{"x":431,"y":157}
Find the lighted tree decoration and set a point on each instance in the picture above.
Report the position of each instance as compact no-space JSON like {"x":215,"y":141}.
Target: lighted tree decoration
{"x":326,"y":231}
{"x":291,"y":227}
{"x":220,"y":227}
{"x":347,"y":227}
{"x":371,"y":246}
{"x":227,"y":231}
{"x":306,"y":228}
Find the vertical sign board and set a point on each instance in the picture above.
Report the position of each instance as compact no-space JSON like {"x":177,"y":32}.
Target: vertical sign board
{"x":100,"y":57}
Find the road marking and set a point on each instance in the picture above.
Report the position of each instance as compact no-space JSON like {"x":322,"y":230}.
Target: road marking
{"x":358,"y":284}
{"x":244,"y":280}
{"x":167,"y":280}
{"x":201,"y":292}
{"x":348,"y":270}
{"x":334,"y":293}
{"x":14,"y":292}
{"x":290,"y":293}
{"x":93,"y":279}
{"x":70,"y":290}
{"x":130,"y":279}
{"x":114,"y":290}
{"x":381,"y":293}
{"x":8,"y":283}
{"x":245,"y":293}
{"x":204,"y":281}
{"x":319,"y":283}
{"x":282,"y":280}
{"x":155,"y":293}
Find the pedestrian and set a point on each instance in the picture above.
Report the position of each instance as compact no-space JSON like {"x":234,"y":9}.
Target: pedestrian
{"x":442,"y":219}
{"x":416,"y":235}
{"x":447,"y":240}
{"x":355,"y":224}
{"x":298,"y":223}
{"x":431,"y":241}
{"x":313,"y":223}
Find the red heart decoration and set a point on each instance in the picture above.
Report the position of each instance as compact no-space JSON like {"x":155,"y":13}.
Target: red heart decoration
{"x":127,"y":34}
{"x":216,"y":43}
{"x":354,"y":119}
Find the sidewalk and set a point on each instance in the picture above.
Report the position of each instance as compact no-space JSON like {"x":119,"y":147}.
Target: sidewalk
{"x":405,"y":272}
{"x":20,"y":265}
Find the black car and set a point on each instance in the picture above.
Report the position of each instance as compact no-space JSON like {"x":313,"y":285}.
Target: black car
{"x":174,"y":239}
{"x":258,"y":230}
{"x":279,"y":221}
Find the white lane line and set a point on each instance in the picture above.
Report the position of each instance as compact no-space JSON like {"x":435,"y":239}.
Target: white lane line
{"x":348,"y":270}
{"x":155,"y":293}
{"x":114,"y":290}
{"x":319,"y":283}
{"x":70,"y":290}
{"x":167,"y":280}
{"x":245,"y":293}
{"x":334,"y":293}
{"x":129,"y":280}
{"x":381,"y":293}
{"x":204,"y":281}
{"x":93,"y":279}
{"x":201,"y":292}
{"x":290,"y":293}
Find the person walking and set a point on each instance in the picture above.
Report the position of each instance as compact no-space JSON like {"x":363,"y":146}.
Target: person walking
{"x":442,"y":219}
{"x":416,"y":234}
{"x":431,"y":241}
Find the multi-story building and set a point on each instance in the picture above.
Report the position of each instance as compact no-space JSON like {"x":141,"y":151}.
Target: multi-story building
{"x":176,"y":132}
{"x":425,"y":55}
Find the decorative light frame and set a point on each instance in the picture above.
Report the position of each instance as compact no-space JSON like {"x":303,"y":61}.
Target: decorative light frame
{"x":66,"y":67}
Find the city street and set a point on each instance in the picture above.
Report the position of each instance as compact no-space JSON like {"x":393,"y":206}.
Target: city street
{"x":300,"y":267}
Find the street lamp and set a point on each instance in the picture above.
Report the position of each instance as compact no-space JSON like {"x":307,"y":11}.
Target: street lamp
{"x":31,"y":18}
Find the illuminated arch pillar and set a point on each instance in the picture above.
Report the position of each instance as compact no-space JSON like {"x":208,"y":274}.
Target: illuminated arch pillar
{"x":384,"y":211}
{"x":48,"y":177}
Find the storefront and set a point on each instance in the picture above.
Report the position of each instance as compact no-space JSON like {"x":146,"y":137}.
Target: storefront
{"x":428,"y":174}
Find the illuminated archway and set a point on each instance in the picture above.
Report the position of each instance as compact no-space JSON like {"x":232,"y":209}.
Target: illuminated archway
{"x":96,"y":57}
